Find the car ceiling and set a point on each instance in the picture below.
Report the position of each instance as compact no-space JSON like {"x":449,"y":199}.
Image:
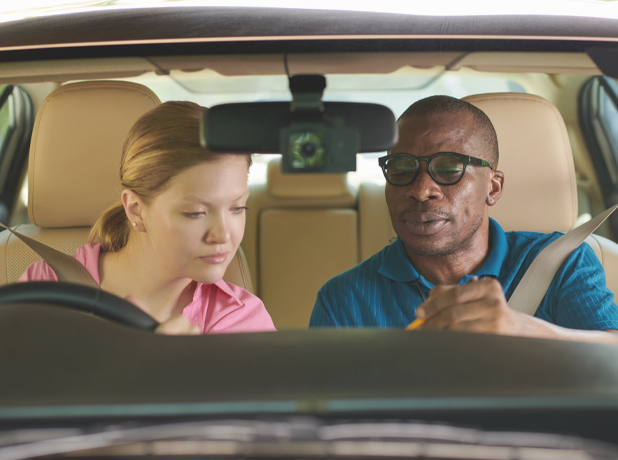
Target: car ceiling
{"x":183,"y":23}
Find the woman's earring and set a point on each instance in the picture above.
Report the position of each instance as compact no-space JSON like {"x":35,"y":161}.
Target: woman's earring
{"x":135,"y":224}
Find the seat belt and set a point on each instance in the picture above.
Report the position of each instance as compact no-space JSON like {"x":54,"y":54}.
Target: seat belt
{"x":67,"y":268}
{"x":526,"y":298}
{"x":532,"y":288}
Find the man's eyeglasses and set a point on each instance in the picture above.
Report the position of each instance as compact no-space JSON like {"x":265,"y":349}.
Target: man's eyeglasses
{"x":445,"y":168}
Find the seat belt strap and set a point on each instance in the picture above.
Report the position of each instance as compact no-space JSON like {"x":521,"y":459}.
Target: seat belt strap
{"x":532,"y":288}
{"x":67,"y":268}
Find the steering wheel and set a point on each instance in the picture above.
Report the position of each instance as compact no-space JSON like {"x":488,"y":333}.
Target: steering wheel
{"x":78,"y":297}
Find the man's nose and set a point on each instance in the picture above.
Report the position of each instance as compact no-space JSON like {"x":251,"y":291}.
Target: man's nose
{"x":424,"y":187}
{"x":219,"y":229}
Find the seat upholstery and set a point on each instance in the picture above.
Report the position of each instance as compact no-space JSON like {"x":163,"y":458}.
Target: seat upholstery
{"x":543,"y":198}
{"x":607,"y":252}
{"x":540,"y":192}
{"x":301,"y":231}
{"x":73,"y":169}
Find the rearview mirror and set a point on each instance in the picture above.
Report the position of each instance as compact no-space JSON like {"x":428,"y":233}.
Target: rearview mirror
{"x":312,"y":136}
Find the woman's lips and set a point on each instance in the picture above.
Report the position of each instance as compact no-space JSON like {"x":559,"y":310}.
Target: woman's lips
{"x":424,"y":223}
{"x":215,"y":258}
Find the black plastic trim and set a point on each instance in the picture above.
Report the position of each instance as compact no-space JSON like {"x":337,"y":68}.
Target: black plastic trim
{"x":298,"y":46}
{"x":78,"y":297}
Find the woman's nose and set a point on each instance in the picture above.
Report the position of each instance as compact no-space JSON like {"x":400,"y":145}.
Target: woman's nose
{"x":219,"y":231}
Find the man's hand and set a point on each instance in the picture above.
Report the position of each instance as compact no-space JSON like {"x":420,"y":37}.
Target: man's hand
{"x":480,"y":306}
{"x":477,"y":306}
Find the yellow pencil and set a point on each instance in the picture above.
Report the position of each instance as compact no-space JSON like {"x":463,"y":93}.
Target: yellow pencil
{"x":415,"y":324}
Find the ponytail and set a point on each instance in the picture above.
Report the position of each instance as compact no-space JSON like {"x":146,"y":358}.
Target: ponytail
{"x":112,"y":229}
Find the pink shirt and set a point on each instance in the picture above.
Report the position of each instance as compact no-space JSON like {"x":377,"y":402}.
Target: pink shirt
{"x":216,"y":308}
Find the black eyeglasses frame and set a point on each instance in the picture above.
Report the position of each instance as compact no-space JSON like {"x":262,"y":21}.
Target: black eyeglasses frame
{"x":466,"y":159}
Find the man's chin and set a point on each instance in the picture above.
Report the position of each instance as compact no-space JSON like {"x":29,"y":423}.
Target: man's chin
{"x":426,"y":243}
{"x":425,"y":229}
{"x":429,"y":250}
{"x":439,"y":240}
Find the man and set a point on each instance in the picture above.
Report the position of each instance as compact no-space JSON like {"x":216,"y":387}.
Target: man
{"x":452,"y":265}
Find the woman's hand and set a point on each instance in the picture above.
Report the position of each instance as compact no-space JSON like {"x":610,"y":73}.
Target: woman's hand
{"x":177,"y":325}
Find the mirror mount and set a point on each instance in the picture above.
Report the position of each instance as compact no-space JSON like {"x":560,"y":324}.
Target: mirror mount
{"x":307,"y":92}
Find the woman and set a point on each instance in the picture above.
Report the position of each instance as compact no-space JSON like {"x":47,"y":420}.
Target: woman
{"x":167,"y":243}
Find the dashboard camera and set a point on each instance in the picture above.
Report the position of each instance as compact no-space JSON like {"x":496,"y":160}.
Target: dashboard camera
{"x":316,"y":147}
{"x":315,"y":141}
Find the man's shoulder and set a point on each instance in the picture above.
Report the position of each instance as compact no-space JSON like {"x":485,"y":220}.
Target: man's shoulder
{"x":526,"y":246}
{"x":363,"y":270}
{"x":530,"y":240}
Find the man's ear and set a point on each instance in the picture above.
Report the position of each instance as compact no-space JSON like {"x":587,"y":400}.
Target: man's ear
{"x":496,"y":185}
{"x":134,"y":208}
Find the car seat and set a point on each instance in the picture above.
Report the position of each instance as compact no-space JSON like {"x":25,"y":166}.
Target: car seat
{"x":540,"y":192}
{"x":301,"y":231}
{"x":73,"y":170}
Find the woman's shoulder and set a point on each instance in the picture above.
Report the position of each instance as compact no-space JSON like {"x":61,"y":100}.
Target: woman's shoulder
{"x":87,"y":255}
{"x":38,"y":271}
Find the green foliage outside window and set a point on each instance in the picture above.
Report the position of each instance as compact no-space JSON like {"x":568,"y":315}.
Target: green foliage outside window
{"x":5,"y":118}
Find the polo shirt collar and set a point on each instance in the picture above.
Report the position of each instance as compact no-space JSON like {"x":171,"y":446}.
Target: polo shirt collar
{"x":222,"y":285}
{"x":498,"y":250}
{"x":398,"y":267}
{"x":396,"y":264}
{"x":228,"y":290}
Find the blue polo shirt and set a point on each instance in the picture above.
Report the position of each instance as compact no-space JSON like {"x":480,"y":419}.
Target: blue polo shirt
{"x":383,"y":291}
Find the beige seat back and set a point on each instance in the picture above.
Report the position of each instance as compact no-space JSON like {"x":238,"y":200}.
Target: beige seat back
{"x":542,"y":198}
{"x":73,"y":169}
{"x":301,"y":231}
{"x":540,"y":192}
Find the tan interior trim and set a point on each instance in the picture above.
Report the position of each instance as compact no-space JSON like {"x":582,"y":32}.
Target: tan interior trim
{"x":74,"y":69}
{"x":280,"y":185}
{"x":192,"y":67}
{"x":309,"y":37}
{"x":522,"y":62}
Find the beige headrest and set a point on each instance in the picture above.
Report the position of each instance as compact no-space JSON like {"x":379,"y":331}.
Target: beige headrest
{"x":540,"y":192}
{"x":73,"y":170}
{"x":303,"y":185}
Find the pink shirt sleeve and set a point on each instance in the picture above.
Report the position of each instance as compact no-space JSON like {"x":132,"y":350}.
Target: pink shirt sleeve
{"x":87,"y":255}
{"x":38,"y":271}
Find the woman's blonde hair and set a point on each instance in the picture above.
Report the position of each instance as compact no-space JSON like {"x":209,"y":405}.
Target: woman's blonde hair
{"x":162,"y":143}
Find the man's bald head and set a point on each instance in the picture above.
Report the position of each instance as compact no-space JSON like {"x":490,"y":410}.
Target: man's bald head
{"x":446,"y":104}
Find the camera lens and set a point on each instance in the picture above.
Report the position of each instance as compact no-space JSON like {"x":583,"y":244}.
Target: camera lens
{"x":307,"y":149}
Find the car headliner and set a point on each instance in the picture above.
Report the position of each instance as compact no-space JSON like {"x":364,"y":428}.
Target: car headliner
{"x":186,"y":23}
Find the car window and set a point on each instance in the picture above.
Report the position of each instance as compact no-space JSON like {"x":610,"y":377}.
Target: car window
{"x":7,"y":120}
{"x":598,"y":118}
{"x":16,"y":121}
{"x":396,"y":90}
